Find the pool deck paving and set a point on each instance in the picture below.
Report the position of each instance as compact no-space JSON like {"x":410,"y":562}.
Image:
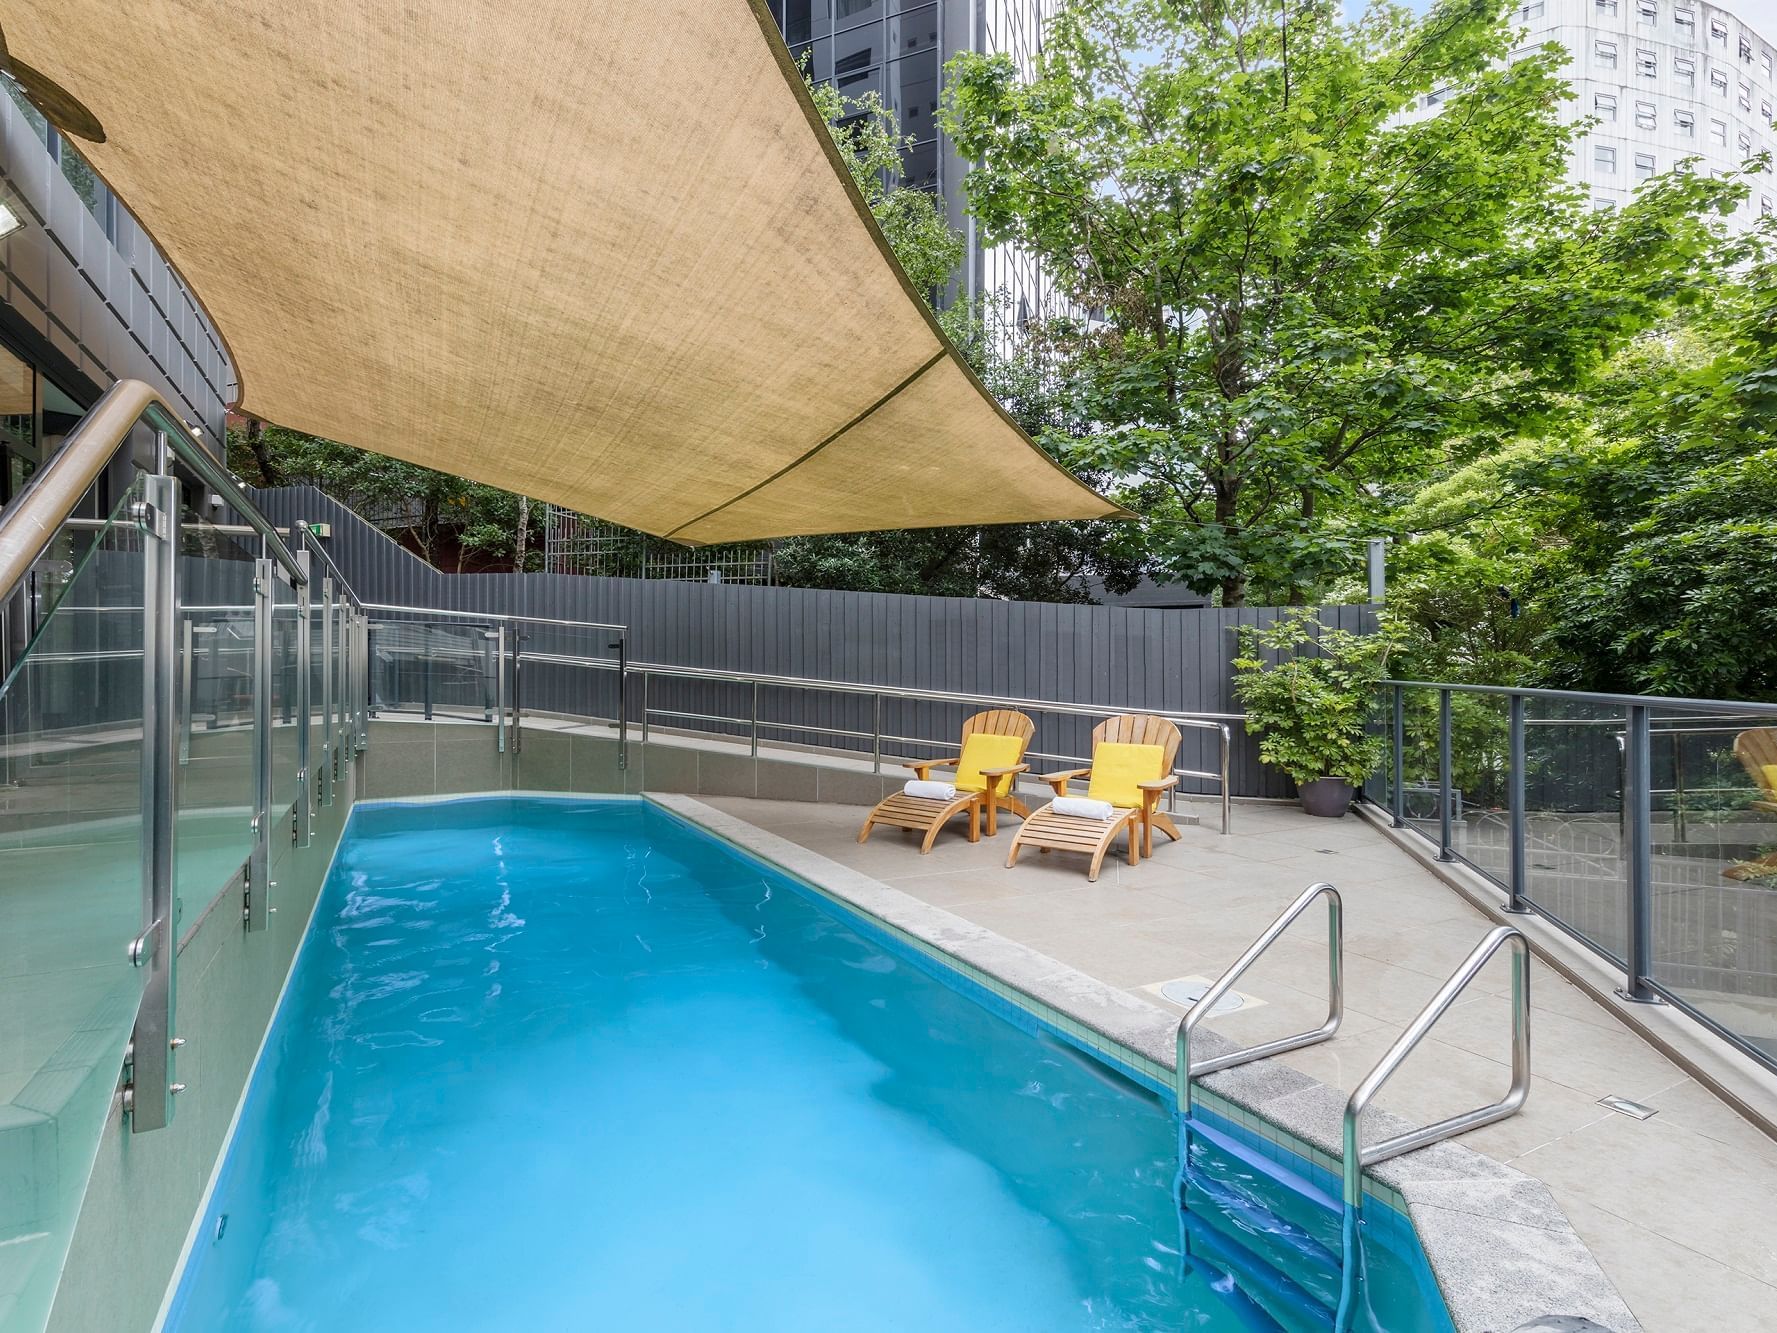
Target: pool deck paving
{"x":1680,"y":1210}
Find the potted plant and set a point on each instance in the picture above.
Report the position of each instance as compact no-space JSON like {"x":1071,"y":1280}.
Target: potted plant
{"x":1307,"y":691}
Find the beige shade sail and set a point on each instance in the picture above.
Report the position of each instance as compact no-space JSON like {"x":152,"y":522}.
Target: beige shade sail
{"x":599,"y":253}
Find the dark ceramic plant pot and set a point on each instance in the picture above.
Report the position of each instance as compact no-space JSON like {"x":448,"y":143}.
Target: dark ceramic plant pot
{"x":1328,"y":798}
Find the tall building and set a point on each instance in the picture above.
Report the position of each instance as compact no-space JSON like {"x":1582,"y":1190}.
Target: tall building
{"x":1666,"y":80}
{"x":898,"y":49}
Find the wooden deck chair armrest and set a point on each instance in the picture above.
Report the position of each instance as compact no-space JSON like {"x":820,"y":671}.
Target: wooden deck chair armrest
{"x":1770,"y":806}
{"x":1002,"y":772}
{"x":1060,"y":780}
{"x":1170,"y":780}
{"x":923,"y":767}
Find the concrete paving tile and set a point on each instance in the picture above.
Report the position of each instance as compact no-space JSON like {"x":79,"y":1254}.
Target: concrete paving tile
{"x":1670,"y":1286}
{"x":1650,"y":1170}
{"x":1693,"y":1107}
{"x":1580,"y":1056}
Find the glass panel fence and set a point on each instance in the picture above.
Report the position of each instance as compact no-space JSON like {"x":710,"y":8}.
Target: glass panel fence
{"x":213,"y":784}
{"x":1419,"y":762}
{"x":1480,"y":774}
{"x":434,"y":669}
{"x":1714,"y":882}
{"x":1575,"y":848}
{"x":70,"y":885}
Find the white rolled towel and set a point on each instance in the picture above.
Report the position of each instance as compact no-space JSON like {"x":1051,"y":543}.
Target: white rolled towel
{"x":930,"y":791}
{"x":1082,"y":808}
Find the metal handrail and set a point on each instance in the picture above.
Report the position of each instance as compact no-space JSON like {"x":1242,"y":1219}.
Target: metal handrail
{"x":492,"y":616}
{"x":49,"y":499}
{"x":1204,"y":722}
{"x":1356,"y":1157}
{"x":1585,"y":696}
{"x":1187,"y":1070}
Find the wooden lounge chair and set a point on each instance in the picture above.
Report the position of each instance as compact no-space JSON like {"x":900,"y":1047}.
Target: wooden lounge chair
{"x":987,"y":763}
{"x":1756,"y":749}
{"x":1132,"y":759}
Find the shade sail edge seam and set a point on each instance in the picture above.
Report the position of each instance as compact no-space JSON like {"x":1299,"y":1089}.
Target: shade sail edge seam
{"x":803,"y":457}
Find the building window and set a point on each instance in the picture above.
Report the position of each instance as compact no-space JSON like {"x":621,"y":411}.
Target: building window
{"x":1745,"y":96}
{"x":1647,"y":64}
{"x":1685,"y":20}
{"x":1685,"y":71}
{"x":1604,"y":106}
{"x":1533,"y":10}
{"x":1719,"y":82}
{"x":1745,"y":49}
{"x":1764,"y":63}
{"x":1605,"y":6}
{"x":1743,"y":141}
{"x":1436,"y":96}
{"x":1647,"y":11}
{"x":1646,"y":116}
{"x":1644,"y":166}
{"x":1601,"y":205}
{"x":1604,"y":159}
{"x":1764,"y":205}
{"x":1685,"y":122}
{"x":1718,"y":132}
{"x":1605,"y":54}
{"x":1718,"y":29}
{"x":1764,"y":111}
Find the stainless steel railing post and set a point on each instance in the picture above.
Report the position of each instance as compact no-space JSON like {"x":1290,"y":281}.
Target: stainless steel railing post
{"x":623,"y":701}
{"x":257,"y":912}
{"x":1517,"y":832}
{"x":499,"y":638}
{"x":1397,"y":798}
{"x":149,"y":1091}
{"x":305,"y":713}
{"x":324,"y":781}
{"x":1638,"y":816}
{"x":1227,"y":737}
{"x":1445,"y":814}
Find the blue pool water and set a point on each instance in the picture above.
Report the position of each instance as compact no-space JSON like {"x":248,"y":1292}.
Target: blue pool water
{"x":565,"y":1065}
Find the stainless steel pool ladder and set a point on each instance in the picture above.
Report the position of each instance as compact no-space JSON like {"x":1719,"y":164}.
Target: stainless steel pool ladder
{"x":1357,"y":1157}
{"x":1187,"y":1070}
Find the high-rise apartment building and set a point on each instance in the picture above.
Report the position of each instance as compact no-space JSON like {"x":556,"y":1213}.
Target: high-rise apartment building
{"x":1665,"y":80}
{"x":897,"y":49}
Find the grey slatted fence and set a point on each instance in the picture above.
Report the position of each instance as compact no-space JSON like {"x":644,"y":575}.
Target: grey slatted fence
{"x":1163,"y":661}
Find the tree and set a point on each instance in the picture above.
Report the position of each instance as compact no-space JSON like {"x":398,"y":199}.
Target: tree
{"x":1025,"y":561}
{"x":1312,"y":291}
{"x":445,"y":518}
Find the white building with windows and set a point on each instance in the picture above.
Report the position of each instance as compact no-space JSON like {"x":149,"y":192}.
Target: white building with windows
{"x":1666,"y":80}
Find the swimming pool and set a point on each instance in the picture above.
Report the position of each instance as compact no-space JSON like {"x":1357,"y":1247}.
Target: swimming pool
{"x":553,"y":1064}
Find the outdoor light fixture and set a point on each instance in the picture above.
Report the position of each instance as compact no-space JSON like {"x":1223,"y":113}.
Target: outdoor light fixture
{"x":9,"y":220}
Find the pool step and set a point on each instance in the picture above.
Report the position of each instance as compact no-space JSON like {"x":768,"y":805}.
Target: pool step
{"x":1270,"y":1230}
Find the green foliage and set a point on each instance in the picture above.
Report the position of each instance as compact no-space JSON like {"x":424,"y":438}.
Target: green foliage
{"x":1308,"y":691}
{"x":446,"y":517}
{"x":1312,"y":295}
{"x":913,"y":221}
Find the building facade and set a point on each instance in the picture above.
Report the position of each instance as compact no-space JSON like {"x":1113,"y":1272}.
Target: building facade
{"x":897,"y":49}
{"x":1665,"y":80}
{"x":88,"y":300}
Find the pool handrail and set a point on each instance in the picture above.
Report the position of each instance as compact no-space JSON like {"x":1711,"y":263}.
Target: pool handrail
{"x":1186,"y":1070}
{"x":1358,"y":1157}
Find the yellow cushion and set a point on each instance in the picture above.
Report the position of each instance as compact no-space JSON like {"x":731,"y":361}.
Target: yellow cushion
{"x":1770,"y":772}
{"x":983,"y":751}
{"x":1116,"y":768}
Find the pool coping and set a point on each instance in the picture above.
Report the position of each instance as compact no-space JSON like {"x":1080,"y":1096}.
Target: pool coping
{"x":1501,"y":1249}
